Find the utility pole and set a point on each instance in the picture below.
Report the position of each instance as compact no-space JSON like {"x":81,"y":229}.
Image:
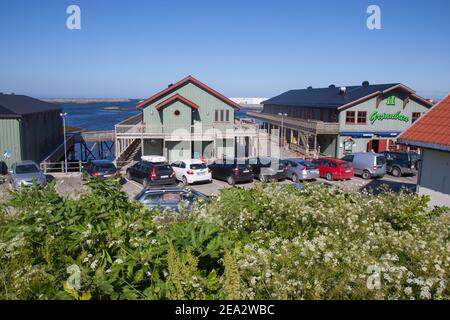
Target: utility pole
{"x":63,"y":116}
{"x":282,"y":128}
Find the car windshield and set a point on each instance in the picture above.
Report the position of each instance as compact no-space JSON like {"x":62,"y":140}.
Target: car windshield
{"x":198,"y":166}
{"x":169,"y":198}
{"x":309,"y":165}
{"x":105,"y":165}
{"x":345,"y":165}
{"x":381,"y":160}
{"x":163,"y":170}
{"x":27,"y":168}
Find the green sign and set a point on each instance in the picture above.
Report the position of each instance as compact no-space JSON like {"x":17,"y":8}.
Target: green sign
{"x":390,"y":101}
{"x":378,"y":116}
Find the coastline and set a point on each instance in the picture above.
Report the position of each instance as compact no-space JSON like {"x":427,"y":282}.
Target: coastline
{"x":85,"y":101}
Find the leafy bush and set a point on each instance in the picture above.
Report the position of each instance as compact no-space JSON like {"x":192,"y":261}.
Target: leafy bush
{"x":265,"y":242}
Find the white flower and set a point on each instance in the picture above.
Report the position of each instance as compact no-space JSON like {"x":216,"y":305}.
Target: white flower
{"x":94,"y":264}
{"x":119,"y":261}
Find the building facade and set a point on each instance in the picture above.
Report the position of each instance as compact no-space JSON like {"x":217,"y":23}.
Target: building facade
{"x":335,"y":121}
{"x":432,"y":134}
{"x":30,"y":129}
{"x":188,"y":120}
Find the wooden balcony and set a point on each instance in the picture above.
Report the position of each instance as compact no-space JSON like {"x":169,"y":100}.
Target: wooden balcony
{"x":307,"y":126}
{"x":186,"y":133}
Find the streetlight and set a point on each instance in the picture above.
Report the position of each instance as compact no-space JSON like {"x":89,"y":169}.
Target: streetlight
{"x":282,"y":115}
{"x":63,"y":116}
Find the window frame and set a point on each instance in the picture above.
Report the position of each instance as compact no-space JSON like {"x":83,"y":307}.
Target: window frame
{"x":365,"y":117}
{"x":413,"y":118}
{"x":347,"y":117}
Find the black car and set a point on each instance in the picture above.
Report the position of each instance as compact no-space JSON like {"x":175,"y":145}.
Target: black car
{"x":151,"y":174}
{"x":402,"y":163}
{"x":231,"y":171}
{"x":100,"y":169}
{"x":170,"y":197}
{"x":268,"y":168}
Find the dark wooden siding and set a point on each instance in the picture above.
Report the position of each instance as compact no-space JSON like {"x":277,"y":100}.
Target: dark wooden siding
{"x":41,"y":134}
{"x":312,"y":113}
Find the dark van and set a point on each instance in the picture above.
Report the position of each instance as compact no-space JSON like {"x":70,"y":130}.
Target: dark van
{"x":151,"y":174}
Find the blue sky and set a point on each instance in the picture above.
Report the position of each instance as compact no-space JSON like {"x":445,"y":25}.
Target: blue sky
{"x":247,"y":48}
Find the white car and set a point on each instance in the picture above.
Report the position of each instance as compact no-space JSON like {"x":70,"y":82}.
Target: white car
{"x":191,"y":171}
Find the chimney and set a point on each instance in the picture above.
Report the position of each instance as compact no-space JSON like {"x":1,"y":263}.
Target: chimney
{"x":342,"y":90}
{"x":309,"y":88}
{"x":170,"y":85}
{"x":331,"y":86}
{"x":365,"y":83}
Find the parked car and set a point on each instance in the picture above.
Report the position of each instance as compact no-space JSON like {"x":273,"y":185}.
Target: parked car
{"x":151,"y":173}
{"x":401,"y":163}
{"x":169,"y":197}
{"x":231,"y":171}
{"x":334,"y":169}
{"x":23,"y":173}
{"x":367,"y":164}
{"x":268,"y":168}
{"x":100,"y":169}
{"x":299,"y":170}
{"x":191,"y":171}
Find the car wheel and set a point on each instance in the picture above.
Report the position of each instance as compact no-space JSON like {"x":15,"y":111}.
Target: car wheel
{"x":396,"y":172}
{"x":231,"y":181}
{"x":185,"y":182}
{"x":295,"y":178}
{"x":262,"y":178}
{"x":329,"y":176}
{"x":366,"y":175}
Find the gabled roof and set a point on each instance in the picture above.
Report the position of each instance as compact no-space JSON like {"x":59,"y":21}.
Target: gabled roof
{"x":432,"y":130}
{"x":332,"y":98}
{"x":181,"y":83}
{"x":15,"y":106}
{"x":174,"y":98}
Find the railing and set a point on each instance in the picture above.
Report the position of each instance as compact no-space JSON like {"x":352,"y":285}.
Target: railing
{"x":59,"y":167}
{"x":185,"y":131}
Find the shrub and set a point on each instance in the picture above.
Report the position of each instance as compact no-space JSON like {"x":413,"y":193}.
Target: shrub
{"x":266,"y":242}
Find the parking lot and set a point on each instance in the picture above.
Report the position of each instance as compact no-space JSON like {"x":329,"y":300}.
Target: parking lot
{"x":355,"y":184}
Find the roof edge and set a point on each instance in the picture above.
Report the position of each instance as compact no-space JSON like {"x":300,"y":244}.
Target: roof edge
{"x":182,"y":82}
{"x":425,"y":145}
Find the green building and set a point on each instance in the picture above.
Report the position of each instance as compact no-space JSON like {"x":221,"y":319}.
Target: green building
{"x":335,"y":121}
{"x":187,"y":120}
{"x":30,"y":129}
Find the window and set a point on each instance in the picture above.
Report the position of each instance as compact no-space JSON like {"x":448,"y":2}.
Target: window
{"x":348,"y":158}
{"x":415,"y":116}
{"x":362,"y":117}
{"x":350,"y":117}
{"x":216,"y":118}
{"x":176,"y":113}
{"x":227,"y":115}
{"x":221,"y":115}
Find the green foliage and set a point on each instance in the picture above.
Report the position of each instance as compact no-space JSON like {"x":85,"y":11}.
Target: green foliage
{"x":265,"y":242}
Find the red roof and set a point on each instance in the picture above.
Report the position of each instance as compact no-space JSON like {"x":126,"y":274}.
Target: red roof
{"x":174,"y":98}
{"x":182,"y":83}
{"x":432,"y":130}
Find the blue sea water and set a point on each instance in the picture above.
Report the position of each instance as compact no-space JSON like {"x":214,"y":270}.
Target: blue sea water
{"x":92,"y":116}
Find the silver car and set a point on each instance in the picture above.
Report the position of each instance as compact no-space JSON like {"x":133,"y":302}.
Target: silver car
{"x":299,"y":170}
{"x":367,"y":164}
{"x":23,"y":173}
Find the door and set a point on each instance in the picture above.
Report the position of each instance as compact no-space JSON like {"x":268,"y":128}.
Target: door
{"x":373,"y":146}
{"x":176,"y":168}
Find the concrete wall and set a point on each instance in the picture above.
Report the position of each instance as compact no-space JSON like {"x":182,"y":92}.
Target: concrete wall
{"x":434,"y":177}
{"x":9,"y":139}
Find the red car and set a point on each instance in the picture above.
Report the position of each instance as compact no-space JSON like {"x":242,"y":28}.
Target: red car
{"x":334,"y":169}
